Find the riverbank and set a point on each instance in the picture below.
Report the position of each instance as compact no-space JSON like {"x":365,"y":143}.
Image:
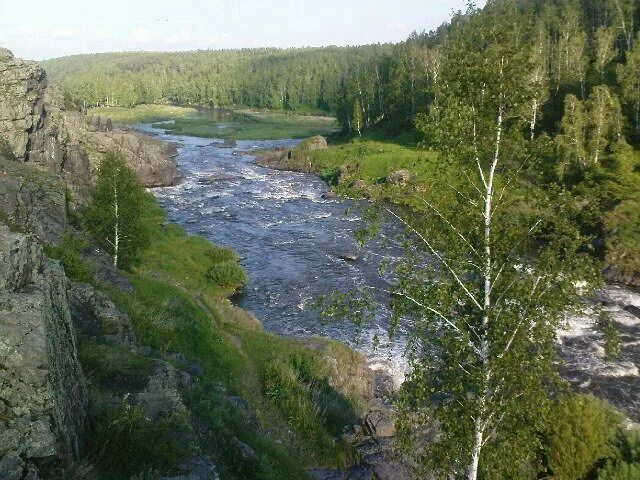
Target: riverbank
{"x":397,"y":174}
{"x":236,"y":124}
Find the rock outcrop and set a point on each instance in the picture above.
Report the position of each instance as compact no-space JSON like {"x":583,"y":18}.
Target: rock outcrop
{"x":36,"y":129}
{"x":42,"y":390}
{"x":298,"y":159}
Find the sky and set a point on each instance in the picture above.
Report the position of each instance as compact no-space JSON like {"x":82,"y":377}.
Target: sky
{"x":43,"y":29}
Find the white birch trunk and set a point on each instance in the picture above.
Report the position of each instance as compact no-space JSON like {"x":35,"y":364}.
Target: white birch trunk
{"x":116,"y":235}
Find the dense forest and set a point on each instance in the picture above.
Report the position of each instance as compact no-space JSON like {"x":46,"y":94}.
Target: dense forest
{"x":307,"y":79}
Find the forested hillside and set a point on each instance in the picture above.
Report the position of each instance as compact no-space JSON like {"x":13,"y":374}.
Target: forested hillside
{"x":575,"y":46}
{"x":307,"y":79}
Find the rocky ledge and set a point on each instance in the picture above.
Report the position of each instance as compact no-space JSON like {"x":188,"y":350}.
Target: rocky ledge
{"x":42,"y":390}
{"x":35,"y":128}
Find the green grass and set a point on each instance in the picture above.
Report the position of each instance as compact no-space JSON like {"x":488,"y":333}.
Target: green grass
{"x":113,"y":367}
{"x":142,"y":113}
{"x":253,"y":126}
{"x":188,"y":262}
{"x":240,"y":125}
{"x":179,"y":304}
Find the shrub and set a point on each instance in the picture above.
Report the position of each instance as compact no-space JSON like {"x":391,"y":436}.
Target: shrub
{"x":612,"y":342}
{"x":619,"y":471}
{"x":580,"y":430}
{"x":69,"y":252}
{"x":626,"y":462}
{"x":227,"y":273}
{"x":114,"y":367}
{"x":314,"y":409}
{"x":127,"y":443}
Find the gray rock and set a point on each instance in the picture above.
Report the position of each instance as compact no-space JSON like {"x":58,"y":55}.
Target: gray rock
{"x":399,"y":177}
{"x":20,"y":259}
{"x":381,"y":423}
{"x":41,"y":385}
{"x":37,"y":130}
{"x":161,"y":396}
{"x":11,"y":465}
{"x":245,"y":450}
{"x":96,"y":315}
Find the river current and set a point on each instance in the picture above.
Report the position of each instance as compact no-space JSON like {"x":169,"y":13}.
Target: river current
{"x":295,"y":245}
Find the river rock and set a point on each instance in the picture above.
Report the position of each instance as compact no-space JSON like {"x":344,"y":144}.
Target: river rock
{"x":399,"y":177}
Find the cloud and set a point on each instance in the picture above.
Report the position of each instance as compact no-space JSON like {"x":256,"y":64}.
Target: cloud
{"x":47,"y":33}
{"x":182,"y":37}
{"x":396,"y":26}
{"x":63,"y":32}
{"x":142,"y":35}
{"x":101,"y":35}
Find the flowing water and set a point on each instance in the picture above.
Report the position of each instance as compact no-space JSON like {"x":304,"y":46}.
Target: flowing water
{"x":295,"y":245}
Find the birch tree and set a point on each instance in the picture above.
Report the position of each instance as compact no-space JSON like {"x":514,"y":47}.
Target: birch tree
{"x":490,"y":268}
{"x":605,"y":122}
{"x":629,"y":78}
{"x":114,"y":216}
{"x":571,"y":142}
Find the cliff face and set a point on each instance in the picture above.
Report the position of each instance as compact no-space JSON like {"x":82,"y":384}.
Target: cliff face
{"x":42,"y":390}
{"x":35,"y":129}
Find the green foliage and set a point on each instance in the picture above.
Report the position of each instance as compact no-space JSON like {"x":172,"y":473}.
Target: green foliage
{"x":612,"y":342}
{"x":126,"y":442}
{"x":69,"y":252}
{"x":227,"y":273}
{"x":300,"y":391}
{"x":186,"y":260}
{"x":619,"y":471}
{"x":114,"y":215}
{"x":302,"y":79}
{"x":580,"y":429}
{"x":625,"y":464}
{"x":113,"y":367}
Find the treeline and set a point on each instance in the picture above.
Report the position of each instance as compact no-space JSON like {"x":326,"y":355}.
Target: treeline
{"x":575,"y":47}
{"x":306,"y":79}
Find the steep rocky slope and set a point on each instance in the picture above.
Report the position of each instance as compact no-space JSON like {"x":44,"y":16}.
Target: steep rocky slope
{"x":42,"y":389}
{"x":35,"y":128}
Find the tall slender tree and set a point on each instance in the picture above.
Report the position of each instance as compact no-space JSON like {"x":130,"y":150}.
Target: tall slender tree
{"x":114,"y":215}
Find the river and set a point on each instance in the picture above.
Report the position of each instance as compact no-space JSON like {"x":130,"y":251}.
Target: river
{"x":294,"y":244}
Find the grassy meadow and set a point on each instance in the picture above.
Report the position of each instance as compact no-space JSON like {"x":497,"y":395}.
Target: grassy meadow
{"x":236,"y":125}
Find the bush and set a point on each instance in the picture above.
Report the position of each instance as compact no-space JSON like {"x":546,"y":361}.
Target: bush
{"x":69,"y":252}
{"x":612,"y":342}
{"x":127,"y":443}
{"x":626,"y":462}
{"x":226,"y":274}
{"x":581,"y":428}
{"x":114,"y":367}
{"x":314,"y":409}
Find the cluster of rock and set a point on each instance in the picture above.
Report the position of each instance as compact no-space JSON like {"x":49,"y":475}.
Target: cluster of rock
{"x":42,"y":391}
{"x":36,"y":129}
{"x":45,"y":153}
{"x":296,"y":159}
